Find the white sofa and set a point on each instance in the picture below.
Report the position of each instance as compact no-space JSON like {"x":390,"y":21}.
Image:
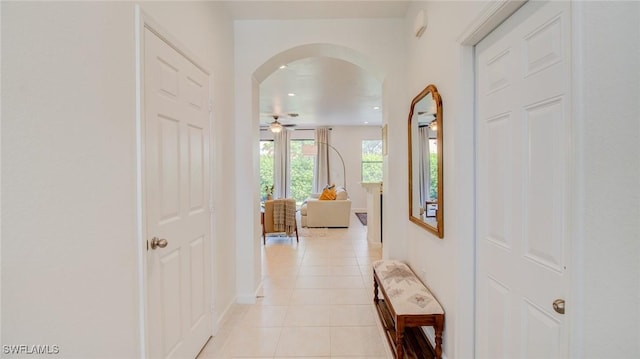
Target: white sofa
{"x":325,"y":213}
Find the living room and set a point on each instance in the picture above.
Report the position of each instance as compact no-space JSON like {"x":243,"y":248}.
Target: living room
{"x":348,"y":143}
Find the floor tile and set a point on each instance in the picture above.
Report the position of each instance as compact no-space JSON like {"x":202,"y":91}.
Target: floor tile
{"x":275,"y":296}
{"x":252,"y":342}
{"x":304,"y":341}
{"x":349,"y":341}
{"x":308,"y":316}
{"x":264,"y":316}
{"x":353,"y":315}
{"x":350,"y":261}
{"x":279,"y":282}
{"x":315,"y":302}
{"x":310,"y":296}
{"x":314,"y":270}
{"x":345,"y":270}
{"x":351,"y":296}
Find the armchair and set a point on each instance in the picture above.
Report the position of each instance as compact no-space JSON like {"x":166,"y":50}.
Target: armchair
{"x":279,"y":216}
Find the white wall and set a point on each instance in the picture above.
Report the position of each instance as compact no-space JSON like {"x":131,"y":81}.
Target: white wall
{"x":69,"y":246}
{"x":606,"y":252}
{"x":258,"y":41}
{"x":607,"y":128}
{"x":348,"y":140}
{"x":445,"y":264}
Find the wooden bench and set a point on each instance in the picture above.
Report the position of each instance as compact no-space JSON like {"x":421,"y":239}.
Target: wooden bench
{"x":407,"y":305}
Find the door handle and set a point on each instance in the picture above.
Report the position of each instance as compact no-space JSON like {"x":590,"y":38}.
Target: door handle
{"x":158,"y":243}
{"x":558,"y":306}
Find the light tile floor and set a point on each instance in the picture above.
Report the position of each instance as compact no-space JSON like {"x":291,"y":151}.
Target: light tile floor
{"x":315,"y":301}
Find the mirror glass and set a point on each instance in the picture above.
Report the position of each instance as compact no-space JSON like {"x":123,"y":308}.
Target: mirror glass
{"x":425,"y":161}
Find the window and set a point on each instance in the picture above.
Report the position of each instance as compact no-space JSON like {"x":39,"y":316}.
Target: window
{"x":301,"y":170}
{"x":372,"y":161}
{"x":433,"y":161}
{"x":266,"y":167}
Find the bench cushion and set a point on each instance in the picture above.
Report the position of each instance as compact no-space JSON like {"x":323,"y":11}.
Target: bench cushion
{"x":407,"y":294}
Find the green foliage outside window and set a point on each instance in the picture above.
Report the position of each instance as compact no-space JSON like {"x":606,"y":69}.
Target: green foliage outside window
{"x":266,"y":167}
{"x":433,"y":159}
{"x":301,"y":169}
{"x":372,"y":161}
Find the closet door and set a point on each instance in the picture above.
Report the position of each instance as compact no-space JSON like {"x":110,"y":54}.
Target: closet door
{"x":523,"y":138}
{"x":176,"y":136}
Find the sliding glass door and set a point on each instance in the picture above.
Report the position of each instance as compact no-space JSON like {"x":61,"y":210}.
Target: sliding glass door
{"x":266,"y":168}
{"x":301,"y":169}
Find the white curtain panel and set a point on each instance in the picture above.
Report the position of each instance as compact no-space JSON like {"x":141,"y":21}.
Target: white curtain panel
{"x":321,"y":168}
{"x":425,"y":165}
{"x":282,"y":185}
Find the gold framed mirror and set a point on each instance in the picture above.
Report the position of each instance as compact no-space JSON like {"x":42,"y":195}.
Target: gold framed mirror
{"x":425,"y":161}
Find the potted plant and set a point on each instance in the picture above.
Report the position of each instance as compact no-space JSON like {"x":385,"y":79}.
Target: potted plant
{"x":269,"y":191}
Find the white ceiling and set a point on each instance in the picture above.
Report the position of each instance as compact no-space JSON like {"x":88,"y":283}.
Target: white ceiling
{"x":328,"y":91}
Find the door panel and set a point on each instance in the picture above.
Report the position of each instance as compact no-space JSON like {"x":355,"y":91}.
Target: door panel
{"x":522,"y":90}
{"x":176,"y":137}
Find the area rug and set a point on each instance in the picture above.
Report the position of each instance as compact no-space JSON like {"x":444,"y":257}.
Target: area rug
{"x":362,"y":217}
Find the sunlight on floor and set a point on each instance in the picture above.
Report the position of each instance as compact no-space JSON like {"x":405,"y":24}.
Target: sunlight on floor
{"x":315,"y":302}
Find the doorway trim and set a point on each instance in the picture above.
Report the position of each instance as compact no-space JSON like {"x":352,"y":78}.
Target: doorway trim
{"x":145,"y":21}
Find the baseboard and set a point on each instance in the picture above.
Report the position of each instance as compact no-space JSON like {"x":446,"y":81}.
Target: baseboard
{"x":250,"y":299}
{"x":359,"y":210}
{"x":223,"y":316}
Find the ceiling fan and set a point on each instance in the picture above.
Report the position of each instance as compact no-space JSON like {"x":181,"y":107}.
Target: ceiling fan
{"x":276,"y":126}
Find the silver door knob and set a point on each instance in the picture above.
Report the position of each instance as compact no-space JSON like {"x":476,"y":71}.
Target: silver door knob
{"x":158,"y":243}
{"x":558,"y":306}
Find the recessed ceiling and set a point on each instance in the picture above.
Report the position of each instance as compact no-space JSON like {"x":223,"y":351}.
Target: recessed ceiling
{"x":327,"y":92}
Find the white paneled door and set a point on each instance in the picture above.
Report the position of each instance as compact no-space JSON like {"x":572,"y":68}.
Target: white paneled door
{"x":523,"y":141}
{"x":176,"y":148}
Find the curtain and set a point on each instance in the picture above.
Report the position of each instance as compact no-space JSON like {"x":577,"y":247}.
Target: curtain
{"x":282,"y":164}
{"x":425,"y":165}
{"x":321,"y":168}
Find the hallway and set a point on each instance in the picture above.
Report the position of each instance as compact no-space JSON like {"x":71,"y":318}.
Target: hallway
{"x":315,"y":302}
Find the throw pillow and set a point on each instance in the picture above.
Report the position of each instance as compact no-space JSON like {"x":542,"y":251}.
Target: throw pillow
{"x":328,"y":194}
{"x":341,"y":194}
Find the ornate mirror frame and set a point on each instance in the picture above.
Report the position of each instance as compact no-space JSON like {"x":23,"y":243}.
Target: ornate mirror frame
{"x":419,"y":215}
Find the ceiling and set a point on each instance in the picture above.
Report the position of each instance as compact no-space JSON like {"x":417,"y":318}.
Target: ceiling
{"x":316,"y":9}
{"x":328,"y":91}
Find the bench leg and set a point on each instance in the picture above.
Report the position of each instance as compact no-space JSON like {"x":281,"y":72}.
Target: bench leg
{"x":399,"y":339}
{"x":375,"y":290}
{"x":438,"y":328}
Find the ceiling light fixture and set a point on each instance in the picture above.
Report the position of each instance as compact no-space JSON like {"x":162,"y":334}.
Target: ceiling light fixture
{"x":283,"y":67}
{"x":275,"y":126}
{"x":291,"y":94}
{"x":376,"y":107}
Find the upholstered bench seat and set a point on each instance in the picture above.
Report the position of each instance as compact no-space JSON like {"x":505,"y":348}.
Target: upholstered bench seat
{"x":407,"y":304}
{"x":406,"y":292}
